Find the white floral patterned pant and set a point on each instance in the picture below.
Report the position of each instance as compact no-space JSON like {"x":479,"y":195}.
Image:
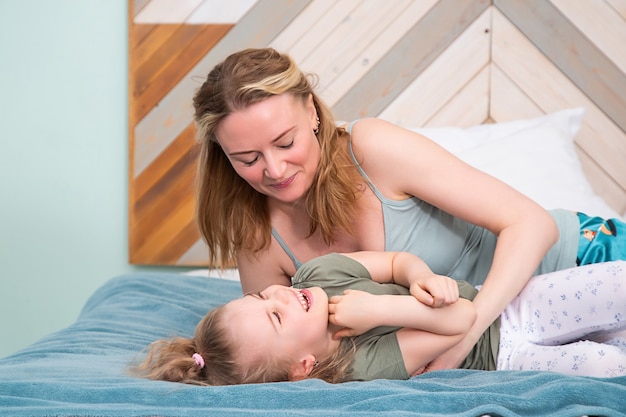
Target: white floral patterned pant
{"x":571,"y":321}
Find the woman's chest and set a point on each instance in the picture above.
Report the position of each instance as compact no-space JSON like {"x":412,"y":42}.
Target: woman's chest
{"x":368,"y":233}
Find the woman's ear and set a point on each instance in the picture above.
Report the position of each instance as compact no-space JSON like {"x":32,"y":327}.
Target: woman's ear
{"x":309,"y":105}
{"x":303,"y":368}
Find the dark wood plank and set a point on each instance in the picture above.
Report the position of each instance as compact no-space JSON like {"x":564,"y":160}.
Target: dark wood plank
{"x":153,"y":37}
{"x":169,"y":201}
{"x":180,"y":243}
{"x":171,"y":63}
{"x":164,"y":167}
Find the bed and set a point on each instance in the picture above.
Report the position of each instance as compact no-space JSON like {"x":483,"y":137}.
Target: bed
{"x":82,"y":370}
{"x":533,"y":95}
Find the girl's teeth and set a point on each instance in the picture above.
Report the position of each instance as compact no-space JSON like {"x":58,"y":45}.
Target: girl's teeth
{"x":303,"y":301}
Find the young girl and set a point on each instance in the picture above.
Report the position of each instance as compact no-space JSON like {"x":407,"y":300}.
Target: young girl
{"x":280,"y":184}
{"x":371,"y":315}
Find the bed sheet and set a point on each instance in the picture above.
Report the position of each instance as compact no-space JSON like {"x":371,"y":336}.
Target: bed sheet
{"x":81,"y":371}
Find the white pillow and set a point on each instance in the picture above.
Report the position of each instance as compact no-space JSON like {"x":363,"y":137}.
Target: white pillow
{"x":231,"y":274}
{"x":535,"y":156}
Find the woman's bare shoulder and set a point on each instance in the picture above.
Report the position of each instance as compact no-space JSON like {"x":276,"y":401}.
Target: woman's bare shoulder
{"x":379,"y":134}
{"x":258,"y":271}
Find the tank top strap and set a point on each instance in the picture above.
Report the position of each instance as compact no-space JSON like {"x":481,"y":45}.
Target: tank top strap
{"x":350,"y":125}
{"x":380,"y":196}
{"x":288,"y":251}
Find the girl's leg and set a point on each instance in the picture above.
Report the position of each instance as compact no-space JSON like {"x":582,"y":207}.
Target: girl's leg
{"x":582,"y":358}
{"x":617,"y":338}
{"x":556,"y":309}
{"x":600,"y":240}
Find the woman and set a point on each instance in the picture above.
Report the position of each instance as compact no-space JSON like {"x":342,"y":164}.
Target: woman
{"x":291,"y":333}
{"x":280,"y":184}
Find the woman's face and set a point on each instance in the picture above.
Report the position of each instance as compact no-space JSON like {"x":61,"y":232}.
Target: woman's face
{"x":281,"y":321}
{"x":271,"y":145}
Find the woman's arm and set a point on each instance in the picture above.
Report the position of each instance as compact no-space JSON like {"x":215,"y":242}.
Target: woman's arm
{"x":359,"y":311}
{"x":423,"y":169}
{"x":419,"y":348}
{"x":259,"y":271}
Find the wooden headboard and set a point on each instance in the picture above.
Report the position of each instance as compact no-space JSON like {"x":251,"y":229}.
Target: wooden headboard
{"x":414,"y":62}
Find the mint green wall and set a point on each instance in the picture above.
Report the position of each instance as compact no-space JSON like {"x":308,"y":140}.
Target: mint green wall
{"x":63,"y":160}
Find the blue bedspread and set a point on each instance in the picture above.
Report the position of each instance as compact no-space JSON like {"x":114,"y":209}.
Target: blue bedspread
{"x":80,"y":371}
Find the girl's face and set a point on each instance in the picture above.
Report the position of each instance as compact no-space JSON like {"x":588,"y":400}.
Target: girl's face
{"x":281,"y":321}
{"x":271,"y":145}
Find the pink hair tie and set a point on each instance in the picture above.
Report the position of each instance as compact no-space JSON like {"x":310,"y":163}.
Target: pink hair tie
{"x":199,"y":360}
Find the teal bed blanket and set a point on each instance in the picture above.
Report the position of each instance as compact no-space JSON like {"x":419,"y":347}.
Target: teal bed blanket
{"x":81,"y":371}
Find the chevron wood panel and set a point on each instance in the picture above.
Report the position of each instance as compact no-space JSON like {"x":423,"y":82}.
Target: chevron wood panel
{"x":550,"y":89}
{"x":446,"y":77}
{"x":414,"y":62}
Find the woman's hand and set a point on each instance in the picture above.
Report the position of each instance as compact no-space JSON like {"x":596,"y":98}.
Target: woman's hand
{"x":354,"y":311}
{"x":435,"y":290}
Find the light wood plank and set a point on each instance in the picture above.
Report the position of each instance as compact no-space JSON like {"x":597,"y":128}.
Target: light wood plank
{"x":219,"y":12}
{"x":601,"y":24}
{"x":572,"y":52}
{"x":551,"y":90}
{"x":380,"y":86}
{"x":196,"y":255}
{"x":508,"y":101}
{"x":305,"y":25}
{"x":342,"y":43}
{"x":602,"y":184}
{"x":166,"y":11}
{"x":332,"y":90}
{"x":469,"y":106}
{"x":446,"y":76}
{"x":619,"y":6}
{"x":310,"y":42}
{"x":137,"y":6}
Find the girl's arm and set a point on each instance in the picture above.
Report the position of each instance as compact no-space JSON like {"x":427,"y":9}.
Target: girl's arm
{"x":410,"y":271}
{"x":427,"y":332}
{"x":423,"y":169}
{"x":358,"y":311}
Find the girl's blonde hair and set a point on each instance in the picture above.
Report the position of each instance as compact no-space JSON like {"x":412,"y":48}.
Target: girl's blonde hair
{"x":172,"y":360}
{"x":231,"y":215}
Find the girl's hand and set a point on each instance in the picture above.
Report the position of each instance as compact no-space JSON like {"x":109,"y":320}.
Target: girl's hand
{"x":354,"y":312}
{"x":435,"y":290}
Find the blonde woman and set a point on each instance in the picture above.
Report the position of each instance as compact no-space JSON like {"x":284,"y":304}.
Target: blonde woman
{"x":280,"y":184}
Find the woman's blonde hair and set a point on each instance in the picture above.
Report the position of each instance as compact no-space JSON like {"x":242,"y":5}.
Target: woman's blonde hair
{"x":231,"y":215}
{"x":172,"y":360}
